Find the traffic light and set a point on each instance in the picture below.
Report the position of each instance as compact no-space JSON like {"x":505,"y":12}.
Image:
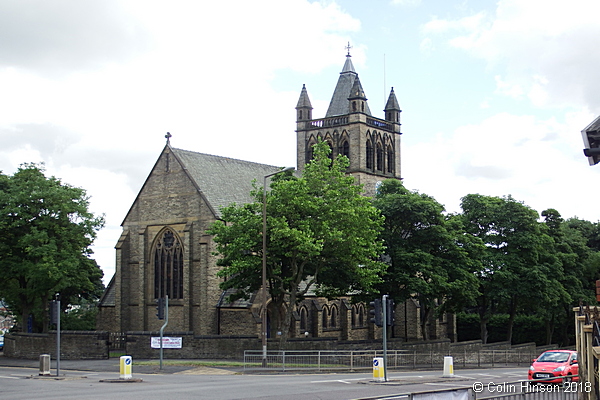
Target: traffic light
{"x":591,"y":141}
{"x":160,"y":308}
{"x":53,"y":308}
{"x":389,"y":312}
{"x":376,"y":312}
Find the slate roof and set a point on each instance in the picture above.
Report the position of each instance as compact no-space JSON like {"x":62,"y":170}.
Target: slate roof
{"x":392,"y":103}
{"x":222,"y":180}
{"x":109,"y":297}
{"x":239,"y":303}
{"x":304,"y":101}
{"x":340,"y":105}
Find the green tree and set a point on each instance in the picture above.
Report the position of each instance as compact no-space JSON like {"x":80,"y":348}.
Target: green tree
{"x":46,"y":231}
{"x":322,"y":235}
{"x":520,"y":264}
{"x":431,"y":259}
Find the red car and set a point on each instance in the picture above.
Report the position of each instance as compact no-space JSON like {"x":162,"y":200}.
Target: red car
{"x":555,"y":366}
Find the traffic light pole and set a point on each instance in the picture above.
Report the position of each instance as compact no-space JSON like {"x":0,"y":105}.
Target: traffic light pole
{"x":57,"y":334}
{"x":162,"y":329}
{"x":385,"y":363}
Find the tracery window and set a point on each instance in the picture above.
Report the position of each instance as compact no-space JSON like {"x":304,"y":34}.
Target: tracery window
{"x":369,"y":155}
{"x":168,"y":266}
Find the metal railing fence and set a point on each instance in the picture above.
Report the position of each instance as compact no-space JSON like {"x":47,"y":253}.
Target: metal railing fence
{"x":353,"y":360}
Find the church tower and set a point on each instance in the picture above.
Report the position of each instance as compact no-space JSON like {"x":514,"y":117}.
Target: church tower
{"x":371,"y":144}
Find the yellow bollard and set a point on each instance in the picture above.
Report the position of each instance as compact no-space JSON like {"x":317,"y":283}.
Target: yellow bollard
{"x":125,"y":367}
{"x":378,"y":369}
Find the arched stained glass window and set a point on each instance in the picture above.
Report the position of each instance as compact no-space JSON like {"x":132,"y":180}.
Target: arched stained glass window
{"x":390,"y":159}
{"x":369,"y":155}
{"x":168,"y":266}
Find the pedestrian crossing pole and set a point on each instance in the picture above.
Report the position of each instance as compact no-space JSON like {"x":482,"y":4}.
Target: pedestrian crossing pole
{"x":384,"y":306}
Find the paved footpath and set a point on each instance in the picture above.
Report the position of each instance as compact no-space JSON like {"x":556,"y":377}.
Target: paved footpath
{"x":113,"y":365}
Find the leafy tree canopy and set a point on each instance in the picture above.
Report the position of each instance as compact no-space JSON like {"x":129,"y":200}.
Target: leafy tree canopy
{"x":46,"y":231}
{"x":431,"y":259}
{"x":322,"y":235}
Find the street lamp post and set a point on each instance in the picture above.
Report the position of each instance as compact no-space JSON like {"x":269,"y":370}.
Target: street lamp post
{"x":264,"y":267}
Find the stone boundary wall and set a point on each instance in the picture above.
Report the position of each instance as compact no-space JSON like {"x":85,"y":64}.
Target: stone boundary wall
{"x":74,"y":345}
{"x":81,"y":345}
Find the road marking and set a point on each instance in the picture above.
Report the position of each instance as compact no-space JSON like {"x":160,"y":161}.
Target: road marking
{"x":8,"y":377}
{"x":445,"y":384}
{"x":339,"y":380}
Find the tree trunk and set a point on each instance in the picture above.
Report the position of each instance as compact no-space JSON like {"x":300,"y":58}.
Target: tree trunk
{"x":511,"y":318}
{"x":550,"y":328}
{"x":425,"y":313}
{"x":287,"y":319}
{"x":483,"y":320}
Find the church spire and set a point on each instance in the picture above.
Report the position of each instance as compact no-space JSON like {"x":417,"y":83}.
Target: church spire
{"x":357,"y":97}
{"x":303,"y":108}
{"x":340,"y":105}
{"x":392,"y":108}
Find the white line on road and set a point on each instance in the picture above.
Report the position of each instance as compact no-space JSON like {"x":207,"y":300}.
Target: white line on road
{"x":8,"y":377}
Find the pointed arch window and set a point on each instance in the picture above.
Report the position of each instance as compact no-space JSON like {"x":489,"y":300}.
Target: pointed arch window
{"x":390,"y":160}
{"x":325,"y":317}
{"x":379,"y":157}
{"x":346,"y":149}
{"x":310,"y":152}
{"x":369,"y":155}
{"x":303,"y":319}
{"x":361,"y":315}
{"x":358,"y":319}
{"x":168,"y":266}
{"x":333,"y":317}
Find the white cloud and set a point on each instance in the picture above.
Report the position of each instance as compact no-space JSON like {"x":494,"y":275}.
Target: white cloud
{"x":535,"y":38}
{"x":410,"y":3}
{"x":93,"y":89}
{"x":537,"y":161}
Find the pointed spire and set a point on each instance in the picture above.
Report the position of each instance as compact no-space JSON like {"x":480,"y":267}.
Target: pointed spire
{"x":348,"y":66}
{"x":357,"y":91}
{"x":303,"y":108}
{"x":392,"y":103}
{"x":304,"y":101}
{"x":340,"y":105}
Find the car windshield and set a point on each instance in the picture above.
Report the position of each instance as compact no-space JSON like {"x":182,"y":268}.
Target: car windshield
{"x":557,"y":357}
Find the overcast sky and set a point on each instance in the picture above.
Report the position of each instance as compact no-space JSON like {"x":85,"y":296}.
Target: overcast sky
{"x":494,"y":93}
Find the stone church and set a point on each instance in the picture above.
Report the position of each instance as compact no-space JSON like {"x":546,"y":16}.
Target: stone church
{"x":164,"y":248}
